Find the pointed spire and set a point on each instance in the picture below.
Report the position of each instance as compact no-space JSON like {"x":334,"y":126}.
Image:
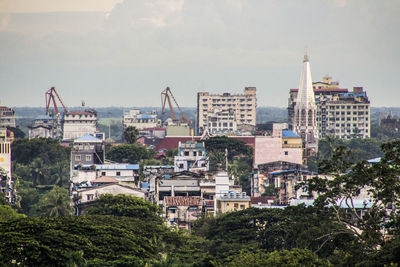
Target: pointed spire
{"x":305,"y":96}
{"x":305,"y":57}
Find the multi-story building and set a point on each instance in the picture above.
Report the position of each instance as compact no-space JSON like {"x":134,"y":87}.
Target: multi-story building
{"x":7,"y":117}
{"x":241,"y":106}
{"x":341,"y":113}
{"x":191,"y":157}
{"x":86,"y":151}
{"x":222,"y":121}
{"x":79,"y":123}
{"x":181,"y":211}
{"x":232,"y":201}
{"x":136,"y":118}
{"x":6,"y":182}
{"x":44,"y":126}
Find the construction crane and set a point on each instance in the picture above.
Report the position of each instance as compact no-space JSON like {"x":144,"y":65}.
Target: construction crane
{"x":50,"y":98}
{"x":166,"y":95}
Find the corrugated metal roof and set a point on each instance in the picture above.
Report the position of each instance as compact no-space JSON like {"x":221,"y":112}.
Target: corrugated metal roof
{"x":183,"y":201}
{"x":117,"y":167}
{"x":289,"y":134}
{"x":87,"y":137}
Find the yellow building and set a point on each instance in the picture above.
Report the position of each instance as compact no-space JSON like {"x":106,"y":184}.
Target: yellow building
{"x":232,"y":201}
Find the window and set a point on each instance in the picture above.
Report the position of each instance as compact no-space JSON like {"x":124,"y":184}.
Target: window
{"x":186,"y":153}
{"x":194,"y":153}
{"x":180,"y":165}
{"x":118,"y":173}
{"x":78,"y":158}
{"x":242,"y":207}
{"x":236,"y":205}
{"x":88,"y":157}
{"x":286,"y":153}
{"x":103,"y":173}
{"x":285,"y":142}
{"x":90,"y":197}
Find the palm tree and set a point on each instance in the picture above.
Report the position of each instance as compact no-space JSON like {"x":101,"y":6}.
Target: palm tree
{"x":55,"y":203}
{"x":131,"y":134}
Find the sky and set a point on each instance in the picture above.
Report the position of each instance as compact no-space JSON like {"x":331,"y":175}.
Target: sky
{"x":125,"y":52}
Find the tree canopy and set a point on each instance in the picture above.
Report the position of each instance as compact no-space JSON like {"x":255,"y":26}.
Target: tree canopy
{"x":129,"y":153}
{"x":131,"y":134}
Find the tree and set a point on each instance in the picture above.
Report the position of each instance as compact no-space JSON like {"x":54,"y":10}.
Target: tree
{"x":124,"y":205}
{"x":8,"y":213}
{"x":131,"y":134}
{"x":129,"y":153}
{"x":349,"y":180}
{"x":235,"y":147}
{"x":55,"y":203}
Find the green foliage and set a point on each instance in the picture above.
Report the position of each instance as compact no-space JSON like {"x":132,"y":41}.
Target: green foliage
{"x":129,"y":153}
{"x":54,"y":203}
{"x":284,"y":258}
{"x":8,"y":213}
{"x":235,"y":147}
{"x":131,"y":134}
{"x":124,"y":205}
{"x":54,"y":241}
{"x":38,"y":165}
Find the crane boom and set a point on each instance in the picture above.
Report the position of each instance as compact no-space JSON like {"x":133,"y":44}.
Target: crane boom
{"x":49,"y":97}
{"x":166,"y":95}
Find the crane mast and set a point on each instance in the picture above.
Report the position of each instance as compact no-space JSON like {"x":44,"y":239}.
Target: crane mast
{"x":50,"y":98}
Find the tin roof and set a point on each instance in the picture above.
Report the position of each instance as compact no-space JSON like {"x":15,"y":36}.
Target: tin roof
{"x":183,"y":201}
{"x":117,"y":167}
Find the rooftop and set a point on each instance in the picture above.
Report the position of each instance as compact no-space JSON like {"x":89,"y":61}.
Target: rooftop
{"x":183,"y":201}
{"x":117,"y":167}
{"x":87,"y":138}
{"x":289,"y":134}
{"x":105,"y":179}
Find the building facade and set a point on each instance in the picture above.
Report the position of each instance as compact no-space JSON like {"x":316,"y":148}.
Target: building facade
{"x":79,"y":123}
{"x":340,"y":113}
{"x":241,"y":107}
{"x":136,"y":118}
{"x":44,"y":126}
{"x":7,"y":117}
{"x":6,"y":182}
{"x":191,"y":157}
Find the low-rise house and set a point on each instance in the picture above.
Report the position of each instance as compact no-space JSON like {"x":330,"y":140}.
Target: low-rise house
{"x":232,"y":201}
{"x":83,"y":198}
{"x":191,"y":157}
{"x":181,"y":211}
{"x":44,"y":126}
{"x":126,"y":174}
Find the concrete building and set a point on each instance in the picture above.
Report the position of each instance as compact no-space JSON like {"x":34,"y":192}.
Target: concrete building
{"x":391,"y":123}
{"x":232,"y":201}
{"x":243,"y":106}
{"x":85,"y":197}
{"x":283,"y":145}
{"x":6,"y":181}
{"x":7,"y":117}
{"x":44,"y":126}
{"x":79,"y":123}
{"x":191,"y":157}
{"x":181,"y":211}
{"x":222,"y":121}
{"x":305,"y":112}
{"x":136,"y":118}
{"x":340,"y":113}
{"x":178,"y":129}
{"x":125,"y":174}
{"x":87,"y":151}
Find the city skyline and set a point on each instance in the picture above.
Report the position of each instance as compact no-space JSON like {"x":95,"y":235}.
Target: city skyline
{"x":109,"y":52}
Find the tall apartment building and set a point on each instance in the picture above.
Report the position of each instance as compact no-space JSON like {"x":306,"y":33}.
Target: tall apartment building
{"x":136,"y":118}
{"x":241,"y":106}
{"x":7,"y":117}
{"x":79,"y":123}
{"x":341,"y":113}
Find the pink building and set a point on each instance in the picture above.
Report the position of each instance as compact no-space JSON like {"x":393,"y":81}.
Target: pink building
{"x":281,"y":146}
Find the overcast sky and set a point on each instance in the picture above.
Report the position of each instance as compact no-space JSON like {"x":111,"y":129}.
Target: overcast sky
{"x":125,"y":52}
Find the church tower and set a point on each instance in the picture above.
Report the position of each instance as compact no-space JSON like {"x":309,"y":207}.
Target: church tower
{"x":305,"y":111}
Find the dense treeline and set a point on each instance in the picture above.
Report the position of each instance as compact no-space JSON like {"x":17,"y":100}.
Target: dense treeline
{"x":41,"y":174}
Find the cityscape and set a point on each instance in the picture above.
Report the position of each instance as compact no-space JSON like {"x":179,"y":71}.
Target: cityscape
{"x":232,"y":181}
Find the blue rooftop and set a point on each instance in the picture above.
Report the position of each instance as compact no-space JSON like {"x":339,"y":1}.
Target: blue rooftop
{"x":375,"y":160}
{"x":145,"y":116}
{"x":117,"y":167}
{"x":87,"y":137}
{"x":289,"y":134}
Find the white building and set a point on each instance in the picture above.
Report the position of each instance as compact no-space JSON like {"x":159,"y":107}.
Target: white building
{"x":44,"y":126}
{"x":136,"y":118}
{"x":305,"y":111}
{"x":79,"y":123}
{"x":191,"y":157}
{"x":243,"y":106}
{"x":7,"y":117}
{"x":222,"y":121}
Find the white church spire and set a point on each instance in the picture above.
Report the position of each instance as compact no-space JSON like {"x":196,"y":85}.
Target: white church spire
{"x":305,"y":111}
